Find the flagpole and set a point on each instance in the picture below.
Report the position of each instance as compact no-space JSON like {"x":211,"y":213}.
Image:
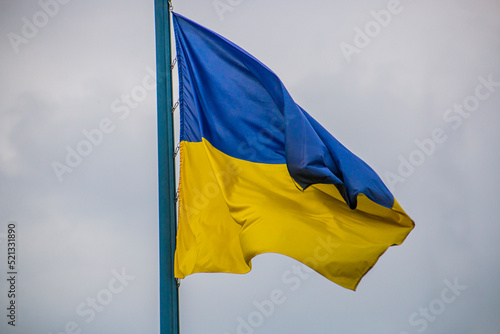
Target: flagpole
{"x":169,"y":296}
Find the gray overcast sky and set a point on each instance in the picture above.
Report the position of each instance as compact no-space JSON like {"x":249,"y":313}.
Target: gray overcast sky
{"x":415,"y":94}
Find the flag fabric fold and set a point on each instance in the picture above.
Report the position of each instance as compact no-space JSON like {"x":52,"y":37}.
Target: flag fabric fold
{"x":258,"y":174}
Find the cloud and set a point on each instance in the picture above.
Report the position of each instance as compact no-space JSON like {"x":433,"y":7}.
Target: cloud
{"x":104,"y":216}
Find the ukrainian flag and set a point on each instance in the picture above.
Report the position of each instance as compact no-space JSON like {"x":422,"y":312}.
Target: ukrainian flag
{"x":259,"y":175}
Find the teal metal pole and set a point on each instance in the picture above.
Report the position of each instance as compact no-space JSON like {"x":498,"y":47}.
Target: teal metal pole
{"x":169,"y":294}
